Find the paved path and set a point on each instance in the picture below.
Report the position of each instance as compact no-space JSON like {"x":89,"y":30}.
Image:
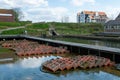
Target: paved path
{"x":11,"y":28}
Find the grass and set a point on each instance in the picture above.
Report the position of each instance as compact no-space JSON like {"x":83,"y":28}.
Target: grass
{"x":4,"y":25}
{"x":78,"y":29}
{"x":5,"y":50}
{"x":38,"y":26}
{"x":33,"y":32}
{"x":6,"y":53}
{"x":9,"y":24}
{"x":14,"y":32}
{"x":62,"y":28}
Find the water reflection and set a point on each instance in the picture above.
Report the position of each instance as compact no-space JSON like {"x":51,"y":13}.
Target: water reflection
{"x":29,"y":69}
{"x":31,"y":62}
{"x":34,"y":62}
{"x":92,"y":42}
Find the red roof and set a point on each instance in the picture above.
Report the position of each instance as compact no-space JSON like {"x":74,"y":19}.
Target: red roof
{"x":101,"y":13}
{"x":89,"y":12}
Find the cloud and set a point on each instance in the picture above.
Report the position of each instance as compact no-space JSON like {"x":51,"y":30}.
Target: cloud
{"x":82,"y":2}
{"x":45,"y":14}
{"x":34,"y":62}
{"x":22,"y":3}
{"x":35,"y":10}
{"x":41,"y":10}
{"x":112,"y":12}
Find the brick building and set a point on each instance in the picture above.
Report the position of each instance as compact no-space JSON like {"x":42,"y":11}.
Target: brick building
{"x":7,"y":15}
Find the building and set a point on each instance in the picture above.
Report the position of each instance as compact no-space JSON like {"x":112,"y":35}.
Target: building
{"x":6,"y":15}
{"x":113,"y":25}
{"x":65,"y":19}
{"x":91,"y":16}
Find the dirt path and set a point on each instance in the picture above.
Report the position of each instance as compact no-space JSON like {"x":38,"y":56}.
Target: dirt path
{"x":11,"y":29}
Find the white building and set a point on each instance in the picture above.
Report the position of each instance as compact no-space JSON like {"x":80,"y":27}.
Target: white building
{"x":65,"y":19}
{"x":91,"y":16}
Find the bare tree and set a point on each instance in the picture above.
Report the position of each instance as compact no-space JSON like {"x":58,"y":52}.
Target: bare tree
{"x":18,"y":14}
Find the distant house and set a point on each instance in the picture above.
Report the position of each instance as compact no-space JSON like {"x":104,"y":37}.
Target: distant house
{"x":91,"y":16}
{"x":113,"y":25}
{"x":6,"y":15}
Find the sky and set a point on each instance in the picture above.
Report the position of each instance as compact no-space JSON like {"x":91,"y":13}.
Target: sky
{"x":54,"y":10}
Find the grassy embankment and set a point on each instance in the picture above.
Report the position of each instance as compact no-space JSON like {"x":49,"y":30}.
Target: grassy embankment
{"x":32,"y":29}
{"x":62,"y":28}
{"x":5,"y":25}
{"x":78,"y":29}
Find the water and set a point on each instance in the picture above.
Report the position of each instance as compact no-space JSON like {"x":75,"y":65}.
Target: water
{"x":112,"y":44}
{"x":29,"y":69}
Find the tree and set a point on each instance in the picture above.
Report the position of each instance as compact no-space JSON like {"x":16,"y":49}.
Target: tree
{"x":18,"y":14}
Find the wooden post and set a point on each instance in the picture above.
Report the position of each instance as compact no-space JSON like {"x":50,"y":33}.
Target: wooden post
{"x":79,"y":51}
{"x":114,"y":57}
{"x":88,"y":52}
{"x":71,"y":48}
{"x":99,"y":53}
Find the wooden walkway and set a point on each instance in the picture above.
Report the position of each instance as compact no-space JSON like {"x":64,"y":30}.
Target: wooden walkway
{"x":101,"y":48}
{"x":83,"y":49}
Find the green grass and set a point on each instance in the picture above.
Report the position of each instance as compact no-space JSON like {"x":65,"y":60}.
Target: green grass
{"x":5,"y":50}
{"x":14,"y":32}
{"x":78,"y":29}
{"x":33,"y":32}
{"x":62,"y":28}
{"x":10,"y":24}
{"x":38,"y":26}
{"x":4,"y":25}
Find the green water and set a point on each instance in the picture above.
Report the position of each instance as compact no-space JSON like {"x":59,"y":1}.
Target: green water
{"x":106,"y":43}
{"x":29,"y":69}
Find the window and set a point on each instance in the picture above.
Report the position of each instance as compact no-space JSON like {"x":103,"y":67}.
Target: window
{"x":5,"y":14}
{"x":117,"y":27}
{"x":105,"y":27}
{"x":112,"y":27}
